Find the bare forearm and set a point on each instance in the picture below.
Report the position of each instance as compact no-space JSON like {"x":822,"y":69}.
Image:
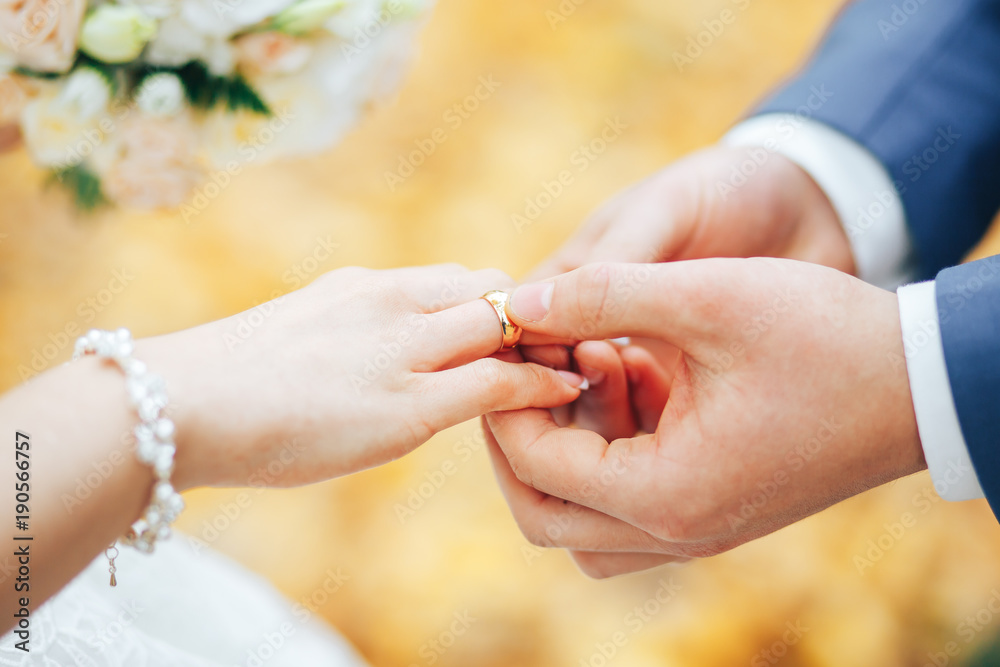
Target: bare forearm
{"x":86,"y":485}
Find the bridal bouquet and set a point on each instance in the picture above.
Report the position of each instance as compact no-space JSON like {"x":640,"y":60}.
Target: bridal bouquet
{"x":158,"y":103}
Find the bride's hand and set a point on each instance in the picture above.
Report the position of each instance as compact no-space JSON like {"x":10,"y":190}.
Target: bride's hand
{"x":355,"y":370}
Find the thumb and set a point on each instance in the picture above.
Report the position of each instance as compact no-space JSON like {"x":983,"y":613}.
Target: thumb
{"x":611,"y":300}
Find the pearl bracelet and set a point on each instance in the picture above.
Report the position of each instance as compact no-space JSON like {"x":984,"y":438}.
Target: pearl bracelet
{"x":154,"y":437}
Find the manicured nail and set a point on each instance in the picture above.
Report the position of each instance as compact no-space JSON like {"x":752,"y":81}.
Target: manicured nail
{"x":594,"y":377}
{"x":624,"y":341}
{"x":532,"y":302}
{"x":574,"y":380}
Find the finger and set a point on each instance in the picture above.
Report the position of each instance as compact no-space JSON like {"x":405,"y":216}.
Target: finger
{"x":652,"y":220}
{"x":600,"y":565}
{"x":601,"y":301}
{"x":575,"y":464}
{"x":456,"y":395}
{"x":551,"y":356}
{"x":574,"y":252}
{"x":649,"y":386}
{"x":604,"y":408}
{"x":458,"y":335}
{"x":558,"y":358}
{"x":442,"y":286}
{"x":552,"y":522}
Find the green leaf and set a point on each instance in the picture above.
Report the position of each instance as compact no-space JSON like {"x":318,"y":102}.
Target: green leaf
{"x":206,"y":91}
{"x":83,"y":184}
{"x":24,"y":71}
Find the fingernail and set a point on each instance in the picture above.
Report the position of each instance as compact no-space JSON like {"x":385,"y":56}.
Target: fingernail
{"x":624,"y":341}
{"x":594,"y":377}
{"x":574,"y":380}
{"x":532,"y":302}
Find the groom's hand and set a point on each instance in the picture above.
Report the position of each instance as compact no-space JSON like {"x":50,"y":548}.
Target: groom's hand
{"x":791,"y":394}
{"x":684,"y":212}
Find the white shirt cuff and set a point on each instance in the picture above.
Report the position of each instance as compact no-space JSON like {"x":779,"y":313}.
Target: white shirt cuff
{"x":941,"y":437}
{"x":855,"y":182}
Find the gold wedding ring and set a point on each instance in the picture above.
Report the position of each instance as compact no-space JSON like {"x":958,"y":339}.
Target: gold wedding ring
{"x":511,"y":332}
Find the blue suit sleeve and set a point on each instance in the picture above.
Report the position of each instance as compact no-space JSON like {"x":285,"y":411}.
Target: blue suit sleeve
{"x":968,"y":300}
{"x":917,"y":82}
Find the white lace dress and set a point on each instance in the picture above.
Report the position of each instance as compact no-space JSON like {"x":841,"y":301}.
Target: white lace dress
{"x":176,"y":608}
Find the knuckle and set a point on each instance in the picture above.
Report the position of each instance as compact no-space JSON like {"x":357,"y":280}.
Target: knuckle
{"x":452,"y":267}
{"x":348,"y":274}
{"x":521,"y":471}
{"x":681,"y":524}
{"x":595,"y":299}
{"x":496,"y":278}
{"x":494,"y":375}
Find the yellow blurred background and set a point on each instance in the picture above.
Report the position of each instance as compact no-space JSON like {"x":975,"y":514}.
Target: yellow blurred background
{"x":459,"y":552}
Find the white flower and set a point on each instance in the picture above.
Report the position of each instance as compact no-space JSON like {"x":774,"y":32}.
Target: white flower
{"x":86,"y":92}
{"x":305,"y":121}
{"x":157,"y":9}
{"x":116,"y":34}
{"x":42,"y":34}
{"x":179,"y":42}
{"x":161,"y":95}
{"x":225,"y":18}
{"x":368,"y":18}
{"x":271,"y":53}
{"x":176,"y":43}
{"x":306,"y":16}
{"x":67,"y":122}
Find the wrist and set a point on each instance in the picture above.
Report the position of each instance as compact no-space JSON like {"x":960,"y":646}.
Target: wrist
{"x":902,"y":443}
{"x":177,"y":358}
{"x":819,"y":237}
